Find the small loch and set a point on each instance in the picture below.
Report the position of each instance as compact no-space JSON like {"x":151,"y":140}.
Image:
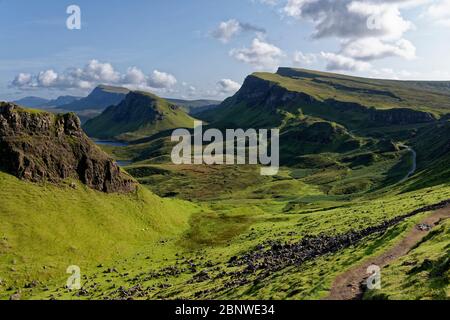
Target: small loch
{"x":121,"y":163}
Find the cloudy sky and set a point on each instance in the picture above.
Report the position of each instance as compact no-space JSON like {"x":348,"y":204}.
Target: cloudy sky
{"x":206,"y":48}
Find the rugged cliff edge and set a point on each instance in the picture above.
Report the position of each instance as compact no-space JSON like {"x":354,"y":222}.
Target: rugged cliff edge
{"x":356,"y":103}
{"x":261,"y":92}
{"x":40,"y":146}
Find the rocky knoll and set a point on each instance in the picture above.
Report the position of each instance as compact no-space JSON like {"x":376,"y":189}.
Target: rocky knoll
{"x":39,"y":146}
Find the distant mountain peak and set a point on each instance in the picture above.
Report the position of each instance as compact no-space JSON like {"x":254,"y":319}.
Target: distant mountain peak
{"x":109,"y":88}
{"x":31,"y":101}
{"x":100,"y":98}
{"x":139,"y":115}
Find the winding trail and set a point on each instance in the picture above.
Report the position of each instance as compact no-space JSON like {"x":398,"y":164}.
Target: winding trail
{"x":350,"y":284}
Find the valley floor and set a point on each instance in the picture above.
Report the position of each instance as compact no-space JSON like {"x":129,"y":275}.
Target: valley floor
{"x":227,"y":244}
{"x":364,"y":172}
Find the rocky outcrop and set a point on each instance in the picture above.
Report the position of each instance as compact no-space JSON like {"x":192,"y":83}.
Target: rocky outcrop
{"x":259,"y":92}
{"x":40,"y":146}
{"x":400,"y":116}
{"x":270,"y":96}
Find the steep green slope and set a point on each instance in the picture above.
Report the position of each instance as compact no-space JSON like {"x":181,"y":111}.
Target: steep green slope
{"x":196,"y":265}
{"x":353,"y":102}
{"x":309,"y":135}
{"x":432,"y":144}
{"x":141,"y":114}
{"x":344,"y":166}
{"x":46,"y":228}
{"x":65,"y":202}
{"x":427,"y":96}
{"x":424,"y":273}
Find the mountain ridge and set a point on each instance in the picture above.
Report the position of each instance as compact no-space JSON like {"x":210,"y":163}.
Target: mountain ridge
{"x":100,"y":98}
{"x":139,"y":115}
{"x":42,"y":103}
{"x":303,"y":90}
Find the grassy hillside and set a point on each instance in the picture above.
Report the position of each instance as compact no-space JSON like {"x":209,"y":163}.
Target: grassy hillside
{"x":141,"y":114}
{"x":236,"y":223}
{"x":348,"y":146}
{"x":426,"y":96}
{"x":356,"y":103}
{"x":46,"y":228}
{"x":424,"y":273}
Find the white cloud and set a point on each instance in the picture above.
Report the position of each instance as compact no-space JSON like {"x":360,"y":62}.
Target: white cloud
{"x":47,"y":78}
{"x":97,"y":71}
{"x":227,"y":86}
{"x":302,"y":59}
{"x":367,"y":30}
{"x":337,"y":62}
{"x":260,"y":54}
{"x":372,"y":48}
{"x":381,"y":19}
{"x":135,"y":76}
{"x":160,"y":79}
{"x":192,"y":90}
{"x":352,"y":18}
{"x":228,"y":29}
{"x":439,"y":12}
{"x":93,"y":74}
{"x":22,"y":80}
{"x":293,"y":8}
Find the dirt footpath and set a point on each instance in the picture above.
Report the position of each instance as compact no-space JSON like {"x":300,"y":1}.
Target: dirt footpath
{"x":347,"y":286}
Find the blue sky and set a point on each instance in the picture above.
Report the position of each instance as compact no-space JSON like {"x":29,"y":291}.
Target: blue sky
{"x":206,"y":48}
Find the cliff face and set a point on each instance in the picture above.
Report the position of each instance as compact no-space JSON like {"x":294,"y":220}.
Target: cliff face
{"x":401,"y":116}
{"x":271,"y":96}
{"x":260,"y":92}
{"x":39,"y":146}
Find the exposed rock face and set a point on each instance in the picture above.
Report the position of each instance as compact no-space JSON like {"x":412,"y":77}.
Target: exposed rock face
{"x":40,"y":146}
{"x":271,"y":96}
{"x":401,"y":116}
{"x":257,"y":91}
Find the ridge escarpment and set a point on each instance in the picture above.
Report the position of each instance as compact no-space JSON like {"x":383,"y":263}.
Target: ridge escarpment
{"x":43,"y":147}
